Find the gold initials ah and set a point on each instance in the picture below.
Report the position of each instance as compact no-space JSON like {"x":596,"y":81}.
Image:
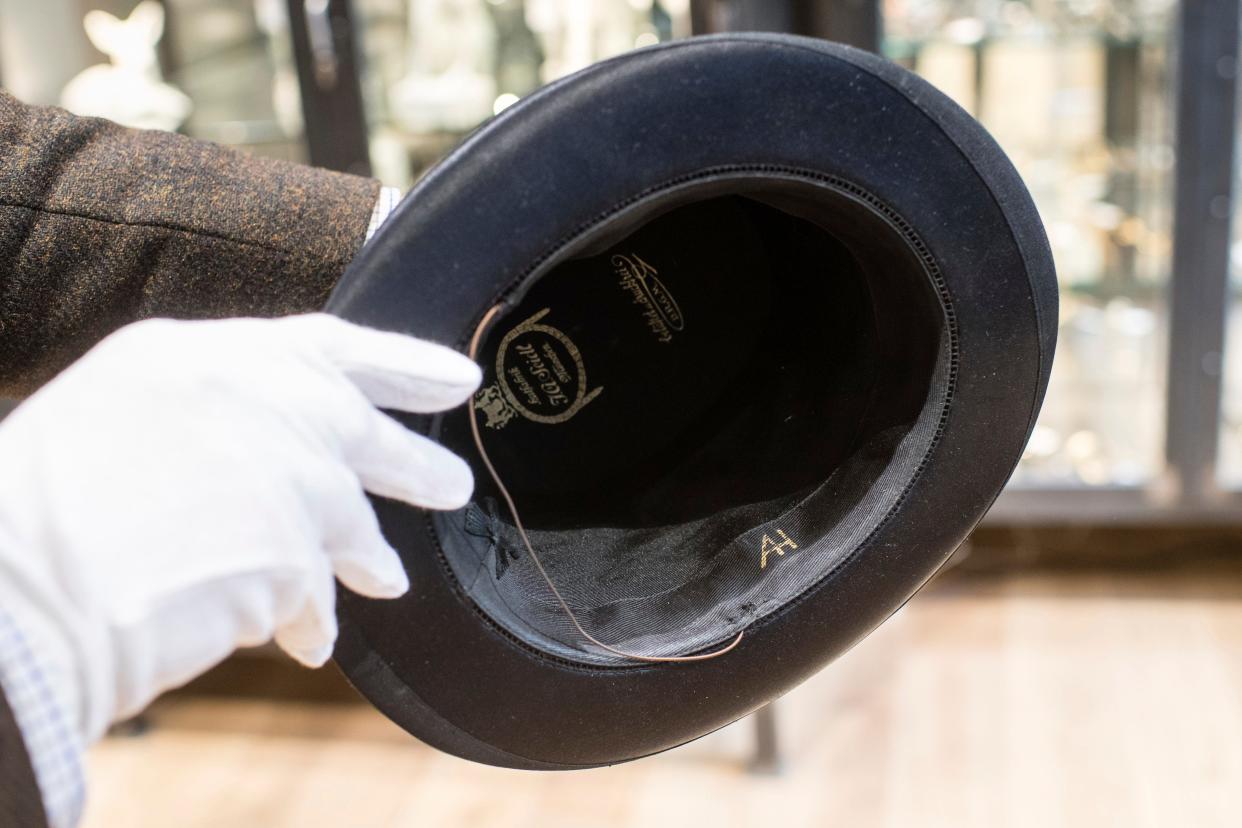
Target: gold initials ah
{"x":769,"y":546}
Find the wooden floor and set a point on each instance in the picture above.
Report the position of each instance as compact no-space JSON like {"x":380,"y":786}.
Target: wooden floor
{"x":1091,"y":700}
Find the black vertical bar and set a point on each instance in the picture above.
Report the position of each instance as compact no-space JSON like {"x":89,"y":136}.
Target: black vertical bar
{"x":703,"y":17}
{"x":326,"y":54}
{"x":767,"y":758}
{"x":708,"y":16}
{"x":855,"y":22}
{"x":979,"y":57}
{"x":167,"y":51}
{"x":1122,"y":98}
{"x":1198,"y":293}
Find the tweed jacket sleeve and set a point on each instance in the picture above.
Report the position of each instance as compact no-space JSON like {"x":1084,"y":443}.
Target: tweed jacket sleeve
{"x":102,"y":225}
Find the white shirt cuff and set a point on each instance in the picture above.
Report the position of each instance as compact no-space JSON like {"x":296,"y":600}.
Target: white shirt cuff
{"x":54,"y":750}
{"x":389,"y":198}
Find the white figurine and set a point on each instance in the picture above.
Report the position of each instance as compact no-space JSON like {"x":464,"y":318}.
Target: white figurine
{"x":130,"y":90}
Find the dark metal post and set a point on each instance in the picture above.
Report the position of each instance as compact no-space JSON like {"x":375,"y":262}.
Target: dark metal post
{"x":767,"y":758}
{"x":853,"y":22}
{"x":709,"y":16}
{"x":1207,"y":76}
{"x":1122,"y":100}
{"x":856,"y":22}
{"x":169,"y":63}
{"x":328,"y":75}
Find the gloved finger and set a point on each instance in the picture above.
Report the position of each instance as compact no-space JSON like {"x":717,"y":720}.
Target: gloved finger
{"x":362,"y":559}
{"x":309,"y":634}
{"x":393,"y":370}
{"x":392,"y":461}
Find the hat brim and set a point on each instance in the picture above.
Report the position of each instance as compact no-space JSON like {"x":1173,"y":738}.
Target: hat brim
{"x":591,"y":151}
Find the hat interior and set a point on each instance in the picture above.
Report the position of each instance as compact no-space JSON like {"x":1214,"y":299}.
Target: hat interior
{"x":700,"y":412}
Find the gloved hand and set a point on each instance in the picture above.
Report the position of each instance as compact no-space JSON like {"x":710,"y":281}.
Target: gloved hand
{"x":187,"y":488}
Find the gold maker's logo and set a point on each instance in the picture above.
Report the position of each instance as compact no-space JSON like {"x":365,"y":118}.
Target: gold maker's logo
{"x":494,"y":406}
{"x":540,"y":375}
{"x":659,"y":308}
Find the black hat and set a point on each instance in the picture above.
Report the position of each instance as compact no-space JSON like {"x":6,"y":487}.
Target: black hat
{"x":776,"y":318}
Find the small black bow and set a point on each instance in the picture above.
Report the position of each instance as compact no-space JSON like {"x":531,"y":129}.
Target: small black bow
{"x":486,"y":524}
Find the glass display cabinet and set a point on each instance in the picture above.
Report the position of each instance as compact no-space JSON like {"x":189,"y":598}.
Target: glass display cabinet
{"x":1079,"y":96}
{"x":436,"y":69}
{"x":1119,"y":114}
{"x":228,"y":62}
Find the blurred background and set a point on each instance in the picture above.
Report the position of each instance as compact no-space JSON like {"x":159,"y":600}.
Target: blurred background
{"x":1081,"y":664}
{"x":1144,"y":415}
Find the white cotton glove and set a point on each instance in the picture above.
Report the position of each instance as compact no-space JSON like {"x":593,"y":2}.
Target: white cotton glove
{"x":188,"y":488}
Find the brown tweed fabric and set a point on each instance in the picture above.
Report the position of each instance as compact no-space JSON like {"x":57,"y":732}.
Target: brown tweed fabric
{"x":21,"y":803}
{"x":101,"y":225}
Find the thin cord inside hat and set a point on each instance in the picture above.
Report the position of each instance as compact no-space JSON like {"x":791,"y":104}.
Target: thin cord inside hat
{"x":517,"y":520}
